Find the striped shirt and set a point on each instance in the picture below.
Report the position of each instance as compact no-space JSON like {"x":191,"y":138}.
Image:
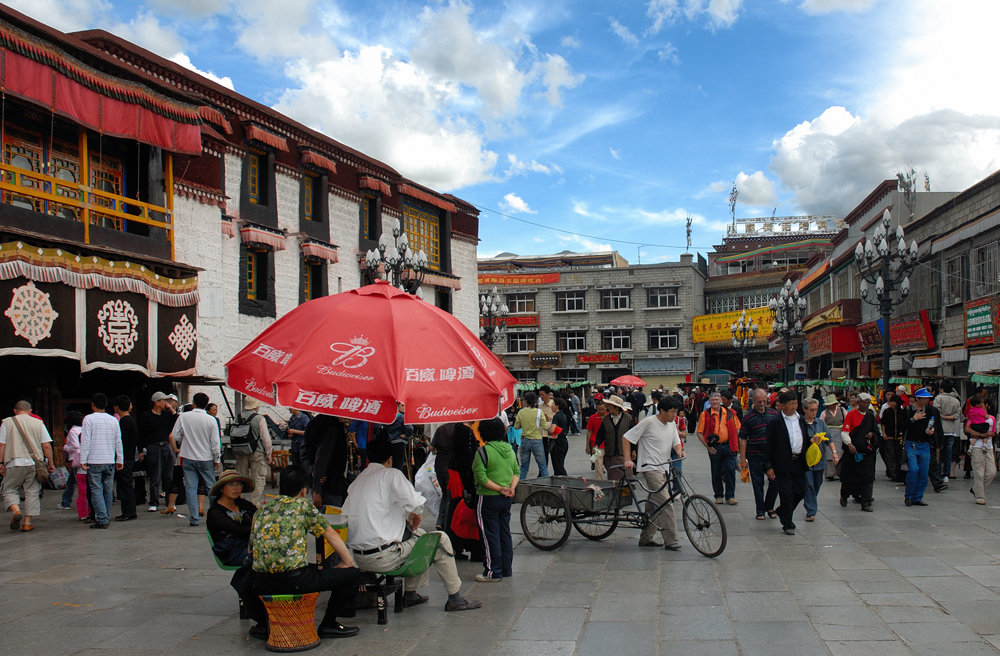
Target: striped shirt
{"x":754,"y":431}
{"x":101,"y":440}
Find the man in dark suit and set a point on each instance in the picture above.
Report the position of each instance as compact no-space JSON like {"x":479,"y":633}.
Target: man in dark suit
{"x":786,"y":458}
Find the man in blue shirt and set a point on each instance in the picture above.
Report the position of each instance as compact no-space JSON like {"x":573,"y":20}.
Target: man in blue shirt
{"x":753,"y":444}
{"x":358,"y":433}
{"x":399,"y":435}
{"x":296,"y":432}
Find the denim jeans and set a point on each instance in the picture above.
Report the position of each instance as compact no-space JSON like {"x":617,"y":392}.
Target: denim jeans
{"x":724,"y":471}
{"x":195,"y":470}
{"x":765,"y":502}
{"x":100,"y":479}
{"x":494,"y":523}
{"x":949,"y":443}
{"x":67,"y":497}
{"x":918,"y":456}
{"x":814,"y":480}
{"x":531,"y":448}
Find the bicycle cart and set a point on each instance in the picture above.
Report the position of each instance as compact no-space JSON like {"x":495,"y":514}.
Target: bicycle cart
{"x":549,"y":505}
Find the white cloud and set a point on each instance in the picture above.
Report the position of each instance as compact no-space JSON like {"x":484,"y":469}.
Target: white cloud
{"x":583,"y":209}
{"x":288,"y":29}
{"x":514,"y":203}
{"x":516,"y":167}
{"x":64,"y":15}
{"x":719,"y":13}
{"x":185,"y":61}
{"x":755,"y":189}
{"x":829,"y":6}
{"x":391,"y":110}
{"x":145,"y":30}
{"x":669,"y":53}
{"x":569,"y":42}
{"x":189,"y":8}
{"x":662,"y":12}
{"x":615,"y":154}
{"x":623,"y":32}
{"x":557,"y":75}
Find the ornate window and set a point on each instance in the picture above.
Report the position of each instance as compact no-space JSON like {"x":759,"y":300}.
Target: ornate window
{"x":370,"y":217}
{"x":256,"y":274}
{"x":423,"y":230}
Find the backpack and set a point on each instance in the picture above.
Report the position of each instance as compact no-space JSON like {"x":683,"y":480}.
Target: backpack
{"x":242,"y":438}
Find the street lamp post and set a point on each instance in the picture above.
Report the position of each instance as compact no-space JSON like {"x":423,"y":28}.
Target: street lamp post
{"x":744,"y":336}
{"x":787,"y":311}
{"x":396,"y":258}
{"x":884,"y":269}
{"x":493,"y":314}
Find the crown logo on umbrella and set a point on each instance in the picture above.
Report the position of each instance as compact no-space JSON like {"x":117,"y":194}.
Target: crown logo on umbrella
{"x":359,"y":341}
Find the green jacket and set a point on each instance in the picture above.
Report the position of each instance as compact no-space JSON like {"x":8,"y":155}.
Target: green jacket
{"x":501,"y":467}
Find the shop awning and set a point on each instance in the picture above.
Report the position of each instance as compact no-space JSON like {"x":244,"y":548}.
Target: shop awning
{"x":984,"y":362}
{"x":427,"y":198}
{"x":833,"y":315}
{"x":251,"y":234}
{"x":928,"y":361}
{"x":258,"y":134}
{"x":322,"y":251}
{"x":368,"y":182}
{"x":319,"y":161}
{"x":960,"y":354}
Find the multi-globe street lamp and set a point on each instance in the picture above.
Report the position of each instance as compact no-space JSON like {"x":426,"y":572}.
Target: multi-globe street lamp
{"x":744,"y":332}
{"x":884,"y":268}
{"x":787,"y":311}
{"x":493,"y":317}
{"x":396,"y":258}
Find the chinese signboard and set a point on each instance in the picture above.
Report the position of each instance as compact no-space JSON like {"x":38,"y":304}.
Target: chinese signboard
{"x":765,"y":367}
{"x":544,"y":360}
{"x":716,"y":327}
{"x":870,"y":335}
{"x":911,"y":332}
{"x":518,"y":278}
{"x":598,"y":358}
{"x":979,"y":322}
{"x":820,"y":343}
{"x":516,"y":321}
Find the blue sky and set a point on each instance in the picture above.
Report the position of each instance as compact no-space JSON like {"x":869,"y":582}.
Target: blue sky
{"x":615,"y":120}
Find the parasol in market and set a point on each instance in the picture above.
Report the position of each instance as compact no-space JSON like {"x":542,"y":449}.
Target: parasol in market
{"x":628,"y":381}
{"x":355,"y":354}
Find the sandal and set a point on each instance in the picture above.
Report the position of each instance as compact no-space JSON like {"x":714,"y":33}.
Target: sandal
{"x":761,"y":517}
{"x":772,"y":514}
{"x":810,"y":518}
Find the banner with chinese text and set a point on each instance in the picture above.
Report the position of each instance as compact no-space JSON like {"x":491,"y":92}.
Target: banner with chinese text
{"x":716,"y":327}
{"x":505,"y":279}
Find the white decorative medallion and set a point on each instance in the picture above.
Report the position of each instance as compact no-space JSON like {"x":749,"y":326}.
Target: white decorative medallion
{"x":117,"y":327}
{"x":183,"y":337}
{"x":31,"y":313}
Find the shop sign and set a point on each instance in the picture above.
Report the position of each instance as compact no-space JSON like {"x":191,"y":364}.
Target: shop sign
{"x":911,"y":332}
{"x":598,"y":358}
{"x":716,"y":327}
{"x":508,"y":280}
{"x":663,"y":366}
{"x":820,"y":343}
{"x":544,"y":360}
{"x":979,"y":328}
{"x":765,"y":367}
{"x":870,"y":335}
{"x":516,"y":321}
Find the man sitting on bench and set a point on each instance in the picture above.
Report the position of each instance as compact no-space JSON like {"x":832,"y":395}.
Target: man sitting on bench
{"x":383,"y":515}
{"x":278,"y":546}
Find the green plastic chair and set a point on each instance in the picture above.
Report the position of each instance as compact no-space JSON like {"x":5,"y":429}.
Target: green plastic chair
{"x":386,"y":583}
{"x":228,"y":568}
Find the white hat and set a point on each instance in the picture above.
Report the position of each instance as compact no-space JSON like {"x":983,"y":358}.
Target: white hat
{"x":614,"y":400}
{"x":250,"y":403}
{"x":158,"y":396}
{"x":864,"y":396}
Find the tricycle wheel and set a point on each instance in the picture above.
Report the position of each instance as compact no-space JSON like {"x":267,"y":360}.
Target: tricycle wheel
{"x":704,"y":526}
{"x":594,"y":526}
{"x":545,"y":520}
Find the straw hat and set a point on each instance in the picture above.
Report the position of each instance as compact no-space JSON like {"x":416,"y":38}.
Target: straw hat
{"x":230,"y":476}
{"x":615,"y":400}
{"x":831,"y":399}
{"x":250,"y":403}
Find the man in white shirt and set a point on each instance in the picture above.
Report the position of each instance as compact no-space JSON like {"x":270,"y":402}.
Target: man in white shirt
{"x":101,"y":454}
{"x":786,"y":458}
{"x":18,"y":467}
{"x":200,"y":452}
{"x":380,"y":504}
{"x":658,"y":442}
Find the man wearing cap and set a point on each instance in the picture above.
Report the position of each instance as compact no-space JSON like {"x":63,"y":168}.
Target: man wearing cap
{"x":154,"y":436}
{"x":611,"y":436}
{"x":860,"y":435}
{"x":921,"y":437}
{"x":718,"y":430}
{"x":255,"y":465}
{"x":200,"y":452}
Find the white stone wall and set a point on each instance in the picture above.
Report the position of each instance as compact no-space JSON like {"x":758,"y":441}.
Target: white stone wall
{"x":464,"y":303}
{"x":345,"y":216}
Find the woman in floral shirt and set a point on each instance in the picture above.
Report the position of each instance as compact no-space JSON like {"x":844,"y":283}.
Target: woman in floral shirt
{"x":278,"y":544}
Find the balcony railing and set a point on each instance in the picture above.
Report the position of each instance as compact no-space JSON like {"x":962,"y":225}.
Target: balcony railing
{"x":78,"y":202}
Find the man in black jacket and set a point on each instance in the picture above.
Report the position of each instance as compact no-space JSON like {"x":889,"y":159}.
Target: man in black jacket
{"x":786,"y":458}
{"x":326,"y":442}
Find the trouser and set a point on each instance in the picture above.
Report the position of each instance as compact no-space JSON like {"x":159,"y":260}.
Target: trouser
{"x":547,"y":448}
{"x":393,"y":557}
{"x":160,"y":464}
{"x":599,"y":467}
{"x":493,"y":513}
{"x":399,"y":456}
{"x":101,"y":478}
{"x":559,"y":451}
{"x":664,"y":520}
{"x":23,"y":478}
{"x":984,"y":470}
{"x":831,"y":469}
{"x":764,"y":502}
{"x":791,"y":491}
{"x":195,"y":471}
{"x":614,"y":473}
{"x":83,"y":497}
{"x":934,"y":475}
{"x":573,"y":426}
{"x":917,"y":463}
{"x":532,"y":448}
{"x":949,"y":443}
{"x":442,"y":518}
{"x":67,"y":497}
{"x":126,"y":487}
{"x":814,"y":480}
{"x":254,"y":467}
{"x":724,"y":471}
{"x":892,"y":454}
{"x":342,"y":584}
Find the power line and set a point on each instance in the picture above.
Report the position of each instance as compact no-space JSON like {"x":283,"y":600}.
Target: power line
{"x":581,"y":234}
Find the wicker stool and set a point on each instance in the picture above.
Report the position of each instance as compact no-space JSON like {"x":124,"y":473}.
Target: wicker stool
{"x":290,"y":622}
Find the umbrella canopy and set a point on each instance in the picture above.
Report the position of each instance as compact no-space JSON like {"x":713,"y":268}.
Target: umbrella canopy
{"x":355,"y":354}
{"x":628,"y":381}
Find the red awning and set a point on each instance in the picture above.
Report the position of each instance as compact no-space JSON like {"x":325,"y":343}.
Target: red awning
{"x":213,"y":115}
{"x":263,"y":136}
{"x":228,"y":229}
{"x":427,"y":198}
{"x":309,"y":157}
{"x":366,"y":182}
{"x":255,"y":235}
{"x":322,"y":251}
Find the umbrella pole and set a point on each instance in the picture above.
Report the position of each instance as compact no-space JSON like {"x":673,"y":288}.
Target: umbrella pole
{"x":226,"y":399}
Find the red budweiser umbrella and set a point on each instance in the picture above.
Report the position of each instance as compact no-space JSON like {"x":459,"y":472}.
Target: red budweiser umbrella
{"x":628,"y":381}
{"x":355,"y":354}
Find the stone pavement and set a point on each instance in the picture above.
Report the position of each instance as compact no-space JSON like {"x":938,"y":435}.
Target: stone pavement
{"x":899,"y":581}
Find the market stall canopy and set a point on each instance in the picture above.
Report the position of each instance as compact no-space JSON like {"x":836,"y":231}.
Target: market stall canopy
{"x":355,"y":354}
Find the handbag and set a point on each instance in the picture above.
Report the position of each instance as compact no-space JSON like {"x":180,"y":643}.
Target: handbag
{"x":41,"y":469}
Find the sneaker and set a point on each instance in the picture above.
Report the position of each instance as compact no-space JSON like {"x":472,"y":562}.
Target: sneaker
{"x":945,"y":479}
{"x":732,"y":502}
{"x":151,"y":509}
{"x":62,"y":506}
{"x":789,"y":531}
{"x":719,"y":500}
{"x":907,"y":501}
{"x":981,"y":502}
{"x":487,"y":579}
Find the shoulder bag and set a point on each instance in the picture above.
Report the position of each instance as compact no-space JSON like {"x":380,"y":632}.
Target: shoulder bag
{"x":41,"y":469}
